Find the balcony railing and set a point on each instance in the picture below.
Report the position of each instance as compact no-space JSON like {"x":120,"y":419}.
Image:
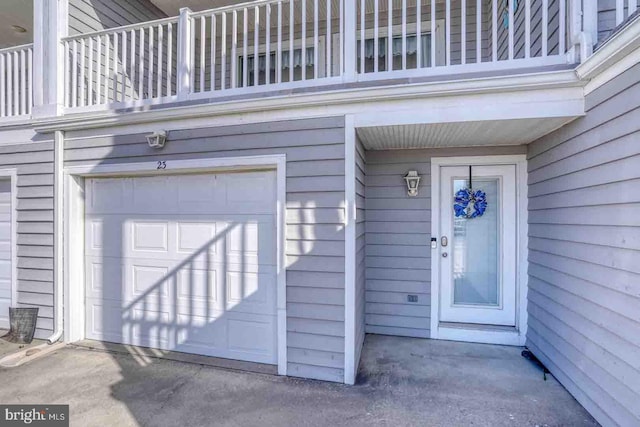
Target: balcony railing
{"x":16,"y":96}
{"x":625,"y":8}
{"x":123,"y":65}
{"x":271,"y":45}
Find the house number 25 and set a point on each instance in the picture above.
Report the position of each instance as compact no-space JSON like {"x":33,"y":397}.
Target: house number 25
{"x":161,"y":165}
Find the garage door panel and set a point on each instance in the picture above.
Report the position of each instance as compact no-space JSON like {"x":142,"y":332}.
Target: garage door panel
{"x":100,"y":270}
{"x":200,"y":334}
{"x":199,"y":288}
{"x":6,"y":270}
{"x":250,"y":192}
{"x":250,"y":335}
{"x":250,"y":292}
{"x":251,"y":242}
{"x":153,"y":194}
{"x":107,"y":195}
{"x":234,"y":336}
{"x":5,"y":289}
{"x":199,"y":193}
{"x":196,"y":236}
{"x":104,"y":320}
{"x":147,"y":281}
{"x":149,"y":328}
{"x":150,"y":236}
{"x":246,"y":239}
{"x":104,"y":235}
{"x":184,"y":263}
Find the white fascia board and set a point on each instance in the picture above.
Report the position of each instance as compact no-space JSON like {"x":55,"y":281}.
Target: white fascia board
{"x":537,"y":103}
{"x":617,"y":55}
{"x":306,"y":105}
{"x":350,"y":253}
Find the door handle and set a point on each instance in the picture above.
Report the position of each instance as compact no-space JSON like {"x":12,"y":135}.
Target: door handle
{"x":444,"y":241}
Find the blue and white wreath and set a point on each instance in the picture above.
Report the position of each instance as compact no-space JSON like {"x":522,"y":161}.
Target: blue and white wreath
{"x":470,"y":203}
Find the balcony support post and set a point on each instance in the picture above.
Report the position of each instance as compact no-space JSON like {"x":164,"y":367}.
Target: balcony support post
{"x":583,"y":30}
{"x":185,"y":54}
{"x":350,"y":42}
{"x":590,"y":20}
{"x":50,"y":24}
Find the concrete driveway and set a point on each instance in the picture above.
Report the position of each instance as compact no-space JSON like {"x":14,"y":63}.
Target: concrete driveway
{"x":402,"y":382}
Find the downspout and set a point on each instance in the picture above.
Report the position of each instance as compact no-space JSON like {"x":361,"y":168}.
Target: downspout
{"x":58,"y":238}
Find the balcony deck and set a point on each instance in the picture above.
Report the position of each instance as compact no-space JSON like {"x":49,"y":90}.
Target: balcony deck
{"x":271,"y":47}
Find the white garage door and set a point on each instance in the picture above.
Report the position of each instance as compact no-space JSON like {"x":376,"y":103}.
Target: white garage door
{"x":5,"y":252}
{"x":183,"y":262}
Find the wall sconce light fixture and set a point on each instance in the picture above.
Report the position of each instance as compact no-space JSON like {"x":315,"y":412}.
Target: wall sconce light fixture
{"x":157,"y":139}
{"x":413,"y":179}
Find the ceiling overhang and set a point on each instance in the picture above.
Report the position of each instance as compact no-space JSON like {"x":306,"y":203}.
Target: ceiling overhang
{"x":459,"y":134}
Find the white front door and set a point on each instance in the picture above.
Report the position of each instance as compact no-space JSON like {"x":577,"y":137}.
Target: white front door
{"x":478,"y":255}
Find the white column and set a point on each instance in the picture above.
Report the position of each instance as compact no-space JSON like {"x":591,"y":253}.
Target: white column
{"x":590,"y":20}
{"x":185,"y":54}
{"x":49,"y":26}
{"x":349,"y":31}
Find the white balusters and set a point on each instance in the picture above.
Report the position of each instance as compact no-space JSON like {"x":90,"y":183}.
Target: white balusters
{"x":16,"y":81}
{"x":328,"y":42}
{"x":463,"y":33}
{"x":303,"y":19}
{"x":316,"y":45}
{"x":279,"y":46}
{"x":527,"y":29}
{"x":419,"y":34}
{"x":619,"y":11}
{"x":479,"y":31}
{"x":127,"y":65}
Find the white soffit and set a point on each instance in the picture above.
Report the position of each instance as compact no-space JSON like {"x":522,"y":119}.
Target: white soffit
{"x":459,"y":134}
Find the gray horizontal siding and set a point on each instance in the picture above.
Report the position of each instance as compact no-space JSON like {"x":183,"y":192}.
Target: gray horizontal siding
{"x":398,"y":234}
{"x":93,"y":15}
{"x":584,"y":245}
{"x":34,"y":164}
{"x":314,"y":220}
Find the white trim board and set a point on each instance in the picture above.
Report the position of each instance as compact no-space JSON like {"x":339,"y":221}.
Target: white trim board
{"x":476,"y":334}
{"x":611,"y":59}
{"x":12,"y":175}
{"x":290,"y":106}
{"x":74,"y":228}
{"x":350,"y":364}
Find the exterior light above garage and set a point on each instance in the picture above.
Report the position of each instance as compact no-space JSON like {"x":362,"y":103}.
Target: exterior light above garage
{"x":413,"y":180}
{"x":157,"y":139}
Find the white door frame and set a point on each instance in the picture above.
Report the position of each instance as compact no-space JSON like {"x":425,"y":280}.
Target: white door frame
{"x":74,"y":298}
{"x":12,"y":174}
{"x":505,"y":336}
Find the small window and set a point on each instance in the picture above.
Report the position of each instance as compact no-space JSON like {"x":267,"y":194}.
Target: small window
{"x":396,"y":51}
{"x":298,"y":60}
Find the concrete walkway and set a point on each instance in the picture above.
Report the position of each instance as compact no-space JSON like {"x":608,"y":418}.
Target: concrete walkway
{"x":403,"y":382}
